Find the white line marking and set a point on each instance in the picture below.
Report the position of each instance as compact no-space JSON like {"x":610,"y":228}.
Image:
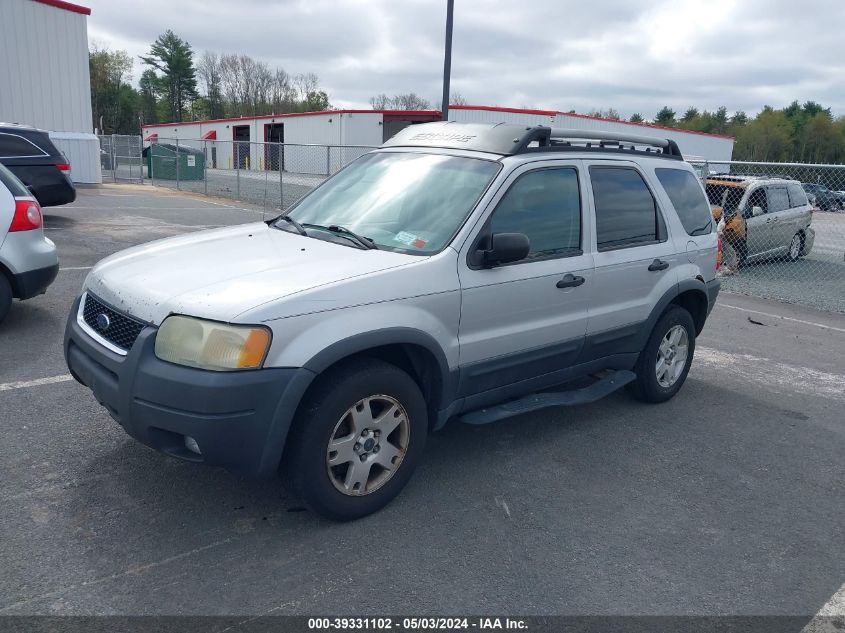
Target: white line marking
{"x":76,"y":268}
{"x":777,"y":316}
{"x":823,"y":621}
{"x":500,"y":501}
{"x":773,"y":375}
{"x":23,"y":384}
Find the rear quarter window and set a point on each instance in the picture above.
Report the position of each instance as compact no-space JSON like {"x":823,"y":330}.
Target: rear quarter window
{"x":797,"y":196}
{"x":16,"y":146}
{"x":687,"y":196}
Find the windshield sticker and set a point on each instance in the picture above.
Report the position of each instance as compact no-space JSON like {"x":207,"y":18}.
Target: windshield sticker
{"x":418,"y":243}
{"x":405,"y":237}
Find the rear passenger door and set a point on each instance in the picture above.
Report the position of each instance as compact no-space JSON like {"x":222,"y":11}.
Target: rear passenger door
{"x":527,"y":318}
{"x":779,"y":218}
{"x":635,"y":259}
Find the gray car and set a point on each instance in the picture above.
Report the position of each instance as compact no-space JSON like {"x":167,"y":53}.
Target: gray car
{"x":460,"y":271}
{"x":28,"y":261}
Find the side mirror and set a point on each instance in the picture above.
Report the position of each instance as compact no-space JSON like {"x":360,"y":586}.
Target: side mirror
{"x":755,"y":211}
{"x":506,"y":248}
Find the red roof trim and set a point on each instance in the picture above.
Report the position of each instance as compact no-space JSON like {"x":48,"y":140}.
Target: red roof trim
{"x":67,"y":6}
{"x":391,"y":114}
{"x":584,"y":116}
{"x":211,"y":135}
{"x":152,"y":137}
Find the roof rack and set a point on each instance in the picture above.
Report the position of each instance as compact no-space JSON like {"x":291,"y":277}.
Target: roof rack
{"x":510,"y":139}
{"x":583,"y":139}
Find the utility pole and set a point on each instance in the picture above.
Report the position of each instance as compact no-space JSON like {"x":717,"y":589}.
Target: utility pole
{"x":447,"y":59}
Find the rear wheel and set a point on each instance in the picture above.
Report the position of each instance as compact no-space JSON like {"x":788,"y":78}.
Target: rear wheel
{"x":5,"y":296}
{"x":356,"y":439}
{"x":795,"y":247}
{"x":663,"y":364}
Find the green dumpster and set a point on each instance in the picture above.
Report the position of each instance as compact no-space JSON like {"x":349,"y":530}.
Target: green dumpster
{"x":165,"y":161}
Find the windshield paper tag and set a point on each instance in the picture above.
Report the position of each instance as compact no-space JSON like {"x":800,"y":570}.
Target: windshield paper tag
{"x":405,"y":237}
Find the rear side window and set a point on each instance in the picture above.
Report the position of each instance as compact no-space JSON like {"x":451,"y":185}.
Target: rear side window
{"x":16,"y":146}
{"x":778,"y":199}
{"x":545,"y":205}
{"x":688,"y":198}
{"x":626,"y":214}
{"x":12,"y":183}
{"x":797,"y":197}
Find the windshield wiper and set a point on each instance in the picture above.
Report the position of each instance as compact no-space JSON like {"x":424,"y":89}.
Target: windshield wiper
{"x":366,"y":242}
{"x":299,"y":228}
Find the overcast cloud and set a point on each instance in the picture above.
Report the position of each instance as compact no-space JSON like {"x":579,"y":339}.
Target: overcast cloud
{"x":549,"y":54}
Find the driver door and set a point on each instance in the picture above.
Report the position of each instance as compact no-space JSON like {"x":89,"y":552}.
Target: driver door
{"x":527,"y":318}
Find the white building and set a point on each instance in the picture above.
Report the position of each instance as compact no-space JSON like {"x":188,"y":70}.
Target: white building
{"x":44,"y":78}
{"x":239,"y":142}
{"x":712,"y":147}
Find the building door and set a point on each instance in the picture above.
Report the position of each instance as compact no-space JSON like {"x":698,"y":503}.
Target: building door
{"x":240,"y":135}
{"x":274,"y":135}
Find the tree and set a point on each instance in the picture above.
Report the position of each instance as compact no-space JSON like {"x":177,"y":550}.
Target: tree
{"x":766,"y":138}
{"x":114,"y":102}
{"x":172,"y":56}
{"x":409,"y":101}
{"x":148,"y":89}
{"x":208,"y":69}
{"x":666,"y":117}
{"x":690,"y":114}
{"x":610,"y":113}
{"x":636,"y":118}
{"x":739,"y":118}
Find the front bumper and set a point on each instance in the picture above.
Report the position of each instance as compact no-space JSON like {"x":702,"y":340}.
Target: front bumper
{"x":239,"y":419}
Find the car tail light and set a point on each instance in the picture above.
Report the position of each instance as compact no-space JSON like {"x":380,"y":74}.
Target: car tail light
{"x":27,"y":215}
{"x":718,"y":253}
{"x":63,"y":167}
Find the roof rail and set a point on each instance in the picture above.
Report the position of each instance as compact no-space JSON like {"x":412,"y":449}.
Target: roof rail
{"x":667,"y":146}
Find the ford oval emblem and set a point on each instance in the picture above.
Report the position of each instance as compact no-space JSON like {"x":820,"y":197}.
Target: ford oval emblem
{"x":103,"y":322}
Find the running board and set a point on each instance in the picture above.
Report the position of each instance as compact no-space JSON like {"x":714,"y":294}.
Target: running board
{"x":536,"y":401}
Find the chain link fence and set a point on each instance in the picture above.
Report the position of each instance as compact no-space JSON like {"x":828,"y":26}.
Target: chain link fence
{"x":120,"y":158}
{"x":274,"y":175}
{"x":783,"y":229}
{"x":782,"y":224}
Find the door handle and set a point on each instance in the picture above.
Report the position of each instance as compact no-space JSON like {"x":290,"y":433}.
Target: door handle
{"x":570,"y":281}
{"x":658,"y":264}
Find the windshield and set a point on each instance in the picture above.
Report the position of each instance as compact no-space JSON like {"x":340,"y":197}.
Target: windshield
{"x":402,"y":201}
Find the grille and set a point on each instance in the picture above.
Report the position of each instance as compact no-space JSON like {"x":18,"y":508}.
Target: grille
{"x":121,"y":330}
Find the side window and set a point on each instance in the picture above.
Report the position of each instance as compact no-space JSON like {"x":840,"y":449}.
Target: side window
{"x":545,"y":205}
{"x":797,"y":197}
{"x":12,"y":145}
{"x":626,"y":214}
{"x":688,"y":198}
{"x":756,"y":199}
{"x":778,"y":199}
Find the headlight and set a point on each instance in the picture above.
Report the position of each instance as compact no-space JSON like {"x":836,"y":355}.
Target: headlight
{"x":211,"y":345}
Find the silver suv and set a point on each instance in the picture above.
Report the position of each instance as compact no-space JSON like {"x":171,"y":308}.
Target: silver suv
{"x":460,"y":271}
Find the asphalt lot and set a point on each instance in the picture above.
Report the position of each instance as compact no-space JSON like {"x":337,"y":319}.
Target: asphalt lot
{"x":727,"y":500}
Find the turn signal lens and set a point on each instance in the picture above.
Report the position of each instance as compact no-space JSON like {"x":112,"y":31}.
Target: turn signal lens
{"x":211,"y":345}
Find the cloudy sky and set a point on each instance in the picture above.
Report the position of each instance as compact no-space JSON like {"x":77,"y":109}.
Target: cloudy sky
{"x":635,"y":56}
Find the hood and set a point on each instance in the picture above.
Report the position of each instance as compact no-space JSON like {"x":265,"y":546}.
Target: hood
{"x":220,"y":273}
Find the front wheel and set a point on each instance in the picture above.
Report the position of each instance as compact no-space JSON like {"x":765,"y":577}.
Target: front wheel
{"x":356,"y":439}
{"x":664,"y":363}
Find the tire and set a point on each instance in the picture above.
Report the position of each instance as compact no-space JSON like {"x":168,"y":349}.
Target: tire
{"x":5,"y":296}
{"x":796,"y":245}
{"x":647,"y":387}
{"x":372,"y":387}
